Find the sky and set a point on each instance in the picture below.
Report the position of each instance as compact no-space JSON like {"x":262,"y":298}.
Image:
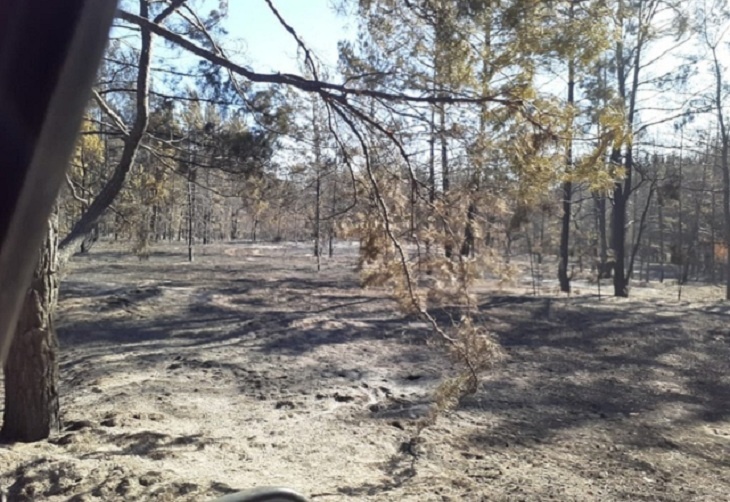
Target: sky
{"x":267,"y":45}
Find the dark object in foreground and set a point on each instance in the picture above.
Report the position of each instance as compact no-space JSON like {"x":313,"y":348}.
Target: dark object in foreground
{"x":271,"y":494}
{"x":49,"y":54}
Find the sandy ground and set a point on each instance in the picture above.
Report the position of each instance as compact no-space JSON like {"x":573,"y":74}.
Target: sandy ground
{"x":246,"y":368}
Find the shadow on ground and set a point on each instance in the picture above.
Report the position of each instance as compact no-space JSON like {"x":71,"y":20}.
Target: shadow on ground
{"x":582,"y":363}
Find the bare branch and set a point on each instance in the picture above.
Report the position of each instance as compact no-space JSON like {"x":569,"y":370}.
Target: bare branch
{"x":106,"y":108}
{"x":72,"y":188}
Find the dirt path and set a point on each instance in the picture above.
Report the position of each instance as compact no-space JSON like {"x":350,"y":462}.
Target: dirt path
{"x":246,"y":368}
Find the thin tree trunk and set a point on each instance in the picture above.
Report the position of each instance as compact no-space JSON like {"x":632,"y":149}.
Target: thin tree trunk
{"x":724,"y":165}
{"x":713,"y":235}
{"x":620,"y":199}
{"x":445,"y":183}
{"x":191,"y":212}
{"x":660,"y":210}
{"x":680,"y":218}
{"x":431,"y":172}
{"x":331,"y":227}
{"x":563,"y":277}
{"x":603,"y":268}
{"x":317,"y":188}
{"x":640,"y":227}
{"x":468,"y":247}
{"x":317,"y":216}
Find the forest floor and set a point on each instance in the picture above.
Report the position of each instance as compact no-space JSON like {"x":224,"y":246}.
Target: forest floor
{"x":184,"y":381}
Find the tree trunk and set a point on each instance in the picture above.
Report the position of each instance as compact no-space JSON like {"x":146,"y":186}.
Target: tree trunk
{"x":603,"y":268}
{"x":563,"y":277}
{"x":191,"y":212}
{"x":317,"y":189}
{"x":90,"y":239}
{"x":660,"y":209}
{"x":333,"y":212}
{"x":724,"y":165}
{"x":317,"y":217}
{"x":445,"y":183}
{"x":620,"y":198}
{"x":31,"y":371}
{"x":467,"y":246}
{"x":726,"y":208}
{"x":254,"y":228}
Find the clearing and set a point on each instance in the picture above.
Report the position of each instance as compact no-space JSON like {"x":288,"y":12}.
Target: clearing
{"x":184,"y":381}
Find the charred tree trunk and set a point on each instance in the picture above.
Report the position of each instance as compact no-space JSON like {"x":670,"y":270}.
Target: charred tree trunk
{"x":317,"y":219}
{"x":191,"y":212}
{"x":31,"y":371}
{"x":333,"y":211}
{"x":660,"y":210}
{"x":724,"y":164}
{"x":445,"y":183}
{"x":254,"y":228}
{"x":432,"y":158}
{"x":90,"y":239}
{"x":726,"y":209}
{"x":620,"y":200}
{"x":623,"y":188}
{"x":467,"y":246}
{"x":431,"y":171}
{"x":563,"y":277}
{"x":603,"y":268}
{"x":317,"y":189}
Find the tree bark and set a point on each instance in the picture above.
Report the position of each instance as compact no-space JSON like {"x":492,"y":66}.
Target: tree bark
{"x":31,"y":371}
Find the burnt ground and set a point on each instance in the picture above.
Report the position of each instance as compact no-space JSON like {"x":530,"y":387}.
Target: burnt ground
{"x":184,"y":381}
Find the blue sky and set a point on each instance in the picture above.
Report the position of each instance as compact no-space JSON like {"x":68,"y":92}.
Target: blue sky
{"x":268,"y":47}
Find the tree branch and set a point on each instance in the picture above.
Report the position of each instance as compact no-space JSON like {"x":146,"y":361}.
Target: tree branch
{"x":106,"y":108}
{"x":308,"y":85}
